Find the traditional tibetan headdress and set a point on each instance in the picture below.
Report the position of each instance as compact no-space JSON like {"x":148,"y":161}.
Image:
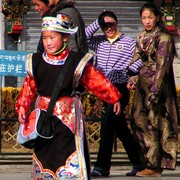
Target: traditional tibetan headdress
{"x":60,"y":23}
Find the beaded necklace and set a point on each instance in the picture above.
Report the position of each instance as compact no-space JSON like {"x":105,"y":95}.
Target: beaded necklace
{"x":146,"y":39}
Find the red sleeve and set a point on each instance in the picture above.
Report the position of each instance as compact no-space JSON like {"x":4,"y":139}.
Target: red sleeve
{"x":27,"y":94}
{"x":93,"y":80}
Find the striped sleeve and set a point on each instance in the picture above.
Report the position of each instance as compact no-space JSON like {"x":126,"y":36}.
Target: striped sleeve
{"x":134,"y":67}
{"x":92,"y":39}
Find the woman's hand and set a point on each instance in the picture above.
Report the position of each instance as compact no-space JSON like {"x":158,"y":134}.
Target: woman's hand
{"x":117,"y":108}
{"x":21,"y":115}
{"x":130,"y":86}
{"x":132,"y":81}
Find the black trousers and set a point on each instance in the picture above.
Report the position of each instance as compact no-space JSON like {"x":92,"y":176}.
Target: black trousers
{"x":116,"y":125}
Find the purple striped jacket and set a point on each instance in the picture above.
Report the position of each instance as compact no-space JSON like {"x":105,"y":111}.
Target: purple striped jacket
{"x":112,"y":59}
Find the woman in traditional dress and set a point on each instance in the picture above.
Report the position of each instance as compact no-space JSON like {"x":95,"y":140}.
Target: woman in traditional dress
{"x":65,"y":156}
{"x":154,"y":108}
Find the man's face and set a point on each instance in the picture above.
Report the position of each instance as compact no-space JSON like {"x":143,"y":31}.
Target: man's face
{"x":109,"y":27}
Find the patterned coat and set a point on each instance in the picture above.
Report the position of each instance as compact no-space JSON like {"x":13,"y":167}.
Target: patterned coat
{"x":154,"y":108}
{"x":65,"y":156}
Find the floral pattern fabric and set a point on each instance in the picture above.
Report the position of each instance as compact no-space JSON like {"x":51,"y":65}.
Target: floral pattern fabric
{"x":154,"y":108}
{"x":52,"y":161}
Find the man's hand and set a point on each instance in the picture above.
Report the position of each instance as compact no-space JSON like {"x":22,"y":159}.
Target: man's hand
{"x":117,"y":108}
{"x":109,"y":20}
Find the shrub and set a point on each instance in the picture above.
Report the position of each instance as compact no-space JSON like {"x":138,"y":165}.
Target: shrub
{"x":92,"y":105}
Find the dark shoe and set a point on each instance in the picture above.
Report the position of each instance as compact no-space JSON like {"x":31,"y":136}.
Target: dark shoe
{"x":99,"y":172}
{"x":132,"y":172}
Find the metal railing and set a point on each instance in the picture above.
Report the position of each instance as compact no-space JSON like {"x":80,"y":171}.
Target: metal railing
{"x":13,"y":153}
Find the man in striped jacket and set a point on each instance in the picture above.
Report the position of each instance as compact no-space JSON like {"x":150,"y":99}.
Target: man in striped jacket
{"x":114,"y":50}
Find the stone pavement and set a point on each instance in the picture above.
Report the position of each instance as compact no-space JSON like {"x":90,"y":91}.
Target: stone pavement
{"x":23,"y":172}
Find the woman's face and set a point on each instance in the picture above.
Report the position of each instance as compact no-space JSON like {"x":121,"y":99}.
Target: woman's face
{"x":110,"y":27}
{"x":149,"y":20}
{"x":53,"y":41}
{"x":40,"y":7}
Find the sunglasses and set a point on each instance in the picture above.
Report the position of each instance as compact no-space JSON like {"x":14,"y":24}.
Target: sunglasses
{"x":108,"y":24}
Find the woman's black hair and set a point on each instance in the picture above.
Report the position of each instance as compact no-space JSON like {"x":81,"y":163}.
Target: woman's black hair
{"x":104,"y":14}
{"x":152,"y":7}
{"x":45,"y":2}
